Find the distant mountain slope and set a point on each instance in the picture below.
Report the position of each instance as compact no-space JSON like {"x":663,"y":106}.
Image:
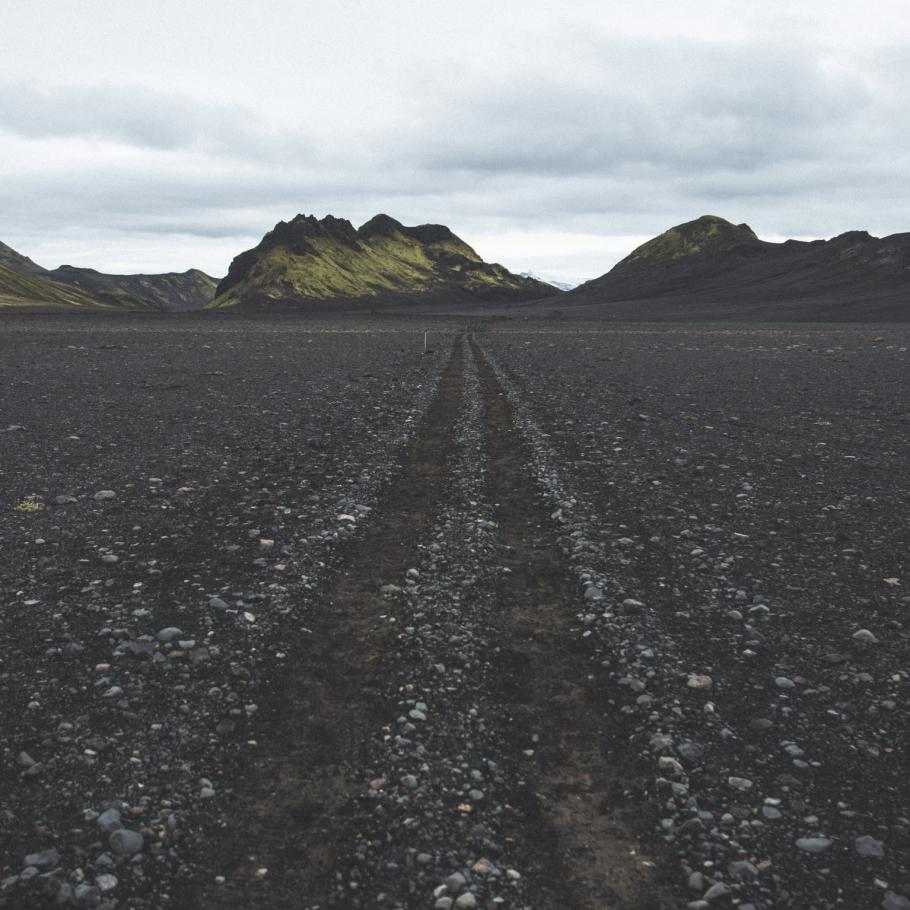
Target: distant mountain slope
{"x":9,"y":257}
{"x":710,"y":268}
{"x":308,"y":260}
{"x":24,"y":283}
{"x":34,"y":291}
{"x":171,"y":291}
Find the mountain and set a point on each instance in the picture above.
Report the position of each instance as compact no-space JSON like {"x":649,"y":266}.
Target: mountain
{"x":16,"y":261}
{"x":559,"y":285}
{"x":712,"y":269}
{"x":26,"y":290}
{"x":170,"y":292}
{"x":24,"y":283}
{"x":309,"y":261}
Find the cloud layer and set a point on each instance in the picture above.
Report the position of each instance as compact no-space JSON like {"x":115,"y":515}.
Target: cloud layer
{"x":548,"y":130}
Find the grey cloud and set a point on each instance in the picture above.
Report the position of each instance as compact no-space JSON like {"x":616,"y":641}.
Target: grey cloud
{"x":599,"y":135}
{"x":650,"y":108}
{"x":143,"y":118}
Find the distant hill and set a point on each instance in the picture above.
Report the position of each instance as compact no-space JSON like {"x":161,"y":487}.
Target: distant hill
{"x":26,"y":285}
{"x":308,"y":261}
{"x":32,"y":291}
{"x":16,"y":261}
{"x":170,"y":292}
{"x":712,"y":269}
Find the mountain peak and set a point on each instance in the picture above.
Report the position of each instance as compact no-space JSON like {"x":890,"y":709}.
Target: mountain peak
{"x":381,"y":225}
{"x":312,"y":260}
{"x":707,"y":234}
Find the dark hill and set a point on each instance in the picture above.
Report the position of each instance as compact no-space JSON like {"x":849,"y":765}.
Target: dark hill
{"x":25,"y":284}
{"x":310,"y":261}
{"x":170,"y":292}
{"x":712,"y":269}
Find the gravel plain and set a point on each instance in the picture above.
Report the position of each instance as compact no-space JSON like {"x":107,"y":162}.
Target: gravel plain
{"x":294,"y":615}
{"x":735,"y":502}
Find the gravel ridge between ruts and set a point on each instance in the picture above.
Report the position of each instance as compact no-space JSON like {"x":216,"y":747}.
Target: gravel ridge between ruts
{"x":433,"y":823}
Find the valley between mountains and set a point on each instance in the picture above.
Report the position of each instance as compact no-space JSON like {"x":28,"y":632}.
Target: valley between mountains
{"x":296,"y":615}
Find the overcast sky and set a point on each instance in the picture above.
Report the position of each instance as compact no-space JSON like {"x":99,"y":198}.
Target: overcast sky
{"x":139,"y":135}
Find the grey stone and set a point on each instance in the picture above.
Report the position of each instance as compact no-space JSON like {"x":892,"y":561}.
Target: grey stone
{"x":45,"y":859}
{"x":109,"y":821}
{"x":455,"y":882}
{"x":126,"y":842}
{"x":869,"y":847}
{"x":716,"y":892}
{"x":742,"y":871}
{"x":813,"y":844}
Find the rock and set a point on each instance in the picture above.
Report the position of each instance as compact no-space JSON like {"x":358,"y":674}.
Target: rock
{"x":864,"y":635}
{"x":869,"y":847}
{"x":109,"y":821}
{"x":126,"y":842}
{"x":742,"y":871}
{"x":169,"y":634}
{"x":739,"y":783}
{"x":103,"y":495}
{"x":813,"y":844}
{"x":455,"y":882}
{"x":894,"y":901}
{"x":45,"y":859}
{"x":466,"y":900}
{"x":716,"y":892}
{"x":699,"y":681}
{"x":106,"y":882}
{"x":782,"y":682}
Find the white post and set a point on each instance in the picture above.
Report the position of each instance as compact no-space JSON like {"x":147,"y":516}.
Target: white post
{"x":425,"y":341}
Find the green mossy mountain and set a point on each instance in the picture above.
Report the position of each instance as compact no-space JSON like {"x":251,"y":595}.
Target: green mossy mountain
{"x":169,"y":292}
{"x":19,"y":263}
{"x":26,"y":285}
{"x":706,"y":235}
{"x":32,"y":291}
{"x":712,"y":269}
{"x":308,"y":261}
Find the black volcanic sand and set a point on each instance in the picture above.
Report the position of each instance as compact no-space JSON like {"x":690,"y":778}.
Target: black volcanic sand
{"x":526,"y":622}
{"x":749,"y":490}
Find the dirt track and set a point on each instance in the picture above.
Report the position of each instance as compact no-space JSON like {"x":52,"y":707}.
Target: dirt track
{"x":565,"y":787}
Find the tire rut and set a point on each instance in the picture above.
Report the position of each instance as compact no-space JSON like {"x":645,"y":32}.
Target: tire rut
{"x":586,"y":792}
{"x":294,"y":803}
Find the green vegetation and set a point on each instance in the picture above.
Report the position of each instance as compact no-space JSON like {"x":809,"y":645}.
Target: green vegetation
{"x":18,"y":289}
{"x":29,"y":505}
{"x":704,"y":235}
{"x":308,"y":259}
{"x":190,"y":290}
